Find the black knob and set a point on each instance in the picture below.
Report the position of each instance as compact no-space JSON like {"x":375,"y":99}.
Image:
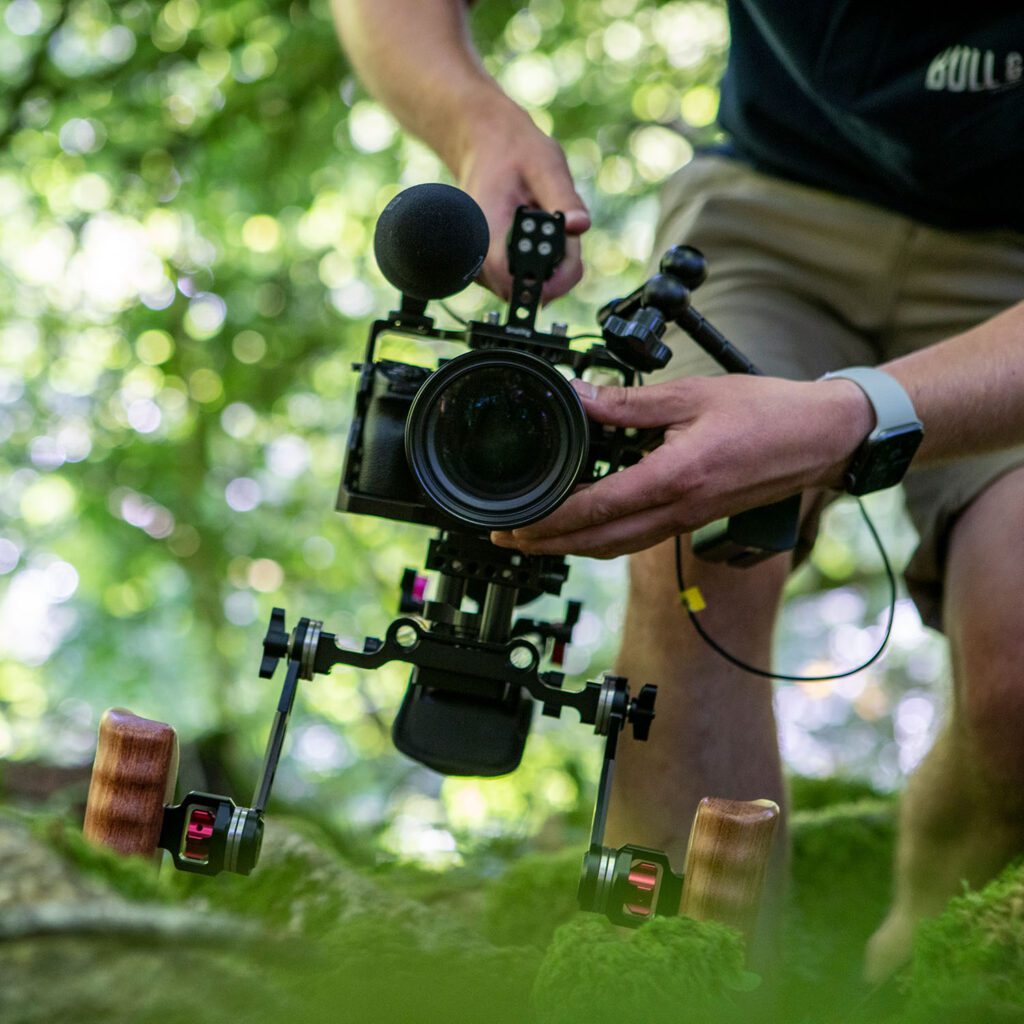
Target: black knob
{"x":275,"y":644}
{"x":641,"y":711}
{"x":667,"y":294}
{"x":637,"y":341}
{"x":686,"y":263}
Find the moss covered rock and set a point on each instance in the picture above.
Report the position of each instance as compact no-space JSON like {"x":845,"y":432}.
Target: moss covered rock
{"x":306,"y":937}
{"x":312,"y":936}
{"x":968,"y":963}
{"x":535,"y":895}
{"x":839,"y":893}
{"x":842,"y":869}
{"x":671,"y":969}
{"x":85,"y":937}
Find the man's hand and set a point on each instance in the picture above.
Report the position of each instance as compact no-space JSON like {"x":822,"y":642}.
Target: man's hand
{"x":731,"y":443}
{"x":505,"y":162}
{"x":491,"y":145}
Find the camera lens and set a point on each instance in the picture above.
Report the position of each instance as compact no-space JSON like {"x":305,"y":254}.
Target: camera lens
{"x":496,"y":439}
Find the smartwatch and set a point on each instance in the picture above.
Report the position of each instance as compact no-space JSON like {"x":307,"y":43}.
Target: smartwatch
{"x":884,"y":455}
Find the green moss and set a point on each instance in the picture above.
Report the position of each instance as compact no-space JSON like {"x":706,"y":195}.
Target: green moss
{"x":535,"y":895}
{"x":300,"y":885}
{"x":365,"y":952}
{"x":594,"y":973}
{"x":842,"y":862}
{"x":381,"y":970}
{"x":809,"y":794}
{"x":969,"y":962}
{"x":841,"y":882}
{"x":135,"y":878}
{"x":343,"y":946}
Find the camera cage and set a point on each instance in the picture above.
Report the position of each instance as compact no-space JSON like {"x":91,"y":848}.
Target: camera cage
{"x":461,"y":687}
{"x":481,"y":669}
{"x":611,"y":446}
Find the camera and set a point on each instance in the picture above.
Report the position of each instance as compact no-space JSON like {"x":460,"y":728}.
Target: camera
{"x":495,"y":437}
{"x":492,"y":437}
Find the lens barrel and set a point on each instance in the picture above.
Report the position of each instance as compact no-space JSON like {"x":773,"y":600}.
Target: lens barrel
{"x":496,"y":439}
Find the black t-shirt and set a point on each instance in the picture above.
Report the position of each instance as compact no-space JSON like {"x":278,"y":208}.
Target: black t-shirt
{"x":917,"y":107}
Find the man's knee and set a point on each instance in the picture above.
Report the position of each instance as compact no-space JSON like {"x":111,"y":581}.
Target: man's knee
{"x":992,"y":712}
{"x":985,"y":622}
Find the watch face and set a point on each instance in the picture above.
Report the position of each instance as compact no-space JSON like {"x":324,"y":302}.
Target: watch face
{"x":882,"y":460}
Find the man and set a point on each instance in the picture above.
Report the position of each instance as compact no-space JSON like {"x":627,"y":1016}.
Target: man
{"x":868,"y":213}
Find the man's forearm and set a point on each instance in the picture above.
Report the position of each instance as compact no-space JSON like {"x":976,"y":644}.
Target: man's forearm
{"x":417,"y":58}
{"x":968,"y":390}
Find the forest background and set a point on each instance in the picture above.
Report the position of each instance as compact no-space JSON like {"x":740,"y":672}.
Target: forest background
{"x":187,"y":199}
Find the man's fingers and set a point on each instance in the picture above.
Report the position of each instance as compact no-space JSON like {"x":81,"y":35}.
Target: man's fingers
{"x":576,"y":221}
{"x":568,"y":273}
{"x":536,"y":175}
{"x":495,"y":276}
{"x":655,"y":405}
{"x":608,"y":540}
{"x":551,"y":185}
{"x":654,"y":481}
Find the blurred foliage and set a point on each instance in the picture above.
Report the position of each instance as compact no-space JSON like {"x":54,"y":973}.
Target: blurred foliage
{"x":812,"y":794}
{"x":188,"y":192}
{"x":532,"y":897}
{"x":312,"y":936}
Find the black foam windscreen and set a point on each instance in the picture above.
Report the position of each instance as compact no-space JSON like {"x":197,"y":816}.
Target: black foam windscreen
{"x":431,"y":241}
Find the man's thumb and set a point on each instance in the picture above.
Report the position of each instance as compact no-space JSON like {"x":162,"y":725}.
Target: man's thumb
{"x":553,"y":189}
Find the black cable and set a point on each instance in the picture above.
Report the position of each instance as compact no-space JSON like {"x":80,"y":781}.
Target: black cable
{"x":455,"y":316}
{"x":739,"y":663}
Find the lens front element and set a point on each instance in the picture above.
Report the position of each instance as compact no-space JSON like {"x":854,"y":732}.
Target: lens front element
{"x":496,"y":439}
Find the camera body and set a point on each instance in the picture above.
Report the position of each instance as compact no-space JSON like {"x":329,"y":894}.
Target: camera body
{"x":393,"y":470}
{"x":494,"y":438}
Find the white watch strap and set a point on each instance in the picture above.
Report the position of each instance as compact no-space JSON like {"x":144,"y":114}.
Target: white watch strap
{"x":892,"y":404}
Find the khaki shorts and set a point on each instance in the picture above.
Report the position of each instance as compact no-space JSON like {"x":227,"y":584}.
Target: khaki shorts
{"x":804,"y":281}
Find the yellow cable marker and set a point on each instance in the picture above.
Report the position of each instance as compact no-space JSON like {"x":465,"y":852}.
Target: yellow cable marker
{"x":693,"y":599}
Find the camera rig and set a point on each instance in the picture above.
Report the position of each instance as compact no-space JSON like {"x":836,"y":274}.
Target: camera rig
{"x":477,"y":667}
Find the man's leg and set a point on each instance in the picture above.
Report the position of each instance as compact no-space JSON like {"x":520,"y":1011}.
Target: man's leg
{"x":797,"y":300}
{"x":962,"y":815}
{"x":714,"y":732}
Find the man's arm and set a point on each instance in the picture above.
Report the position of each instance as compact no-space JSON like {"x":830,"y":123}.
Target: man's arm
{"x":968,"y":390}
{"x":735,"y":442}
{"x":416,"y":57}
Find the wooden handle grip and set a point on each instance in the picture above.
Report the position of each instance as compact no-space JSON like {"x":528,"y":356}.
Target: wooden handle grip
{"x":133,"y":776}
{"x":730,"y":844}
